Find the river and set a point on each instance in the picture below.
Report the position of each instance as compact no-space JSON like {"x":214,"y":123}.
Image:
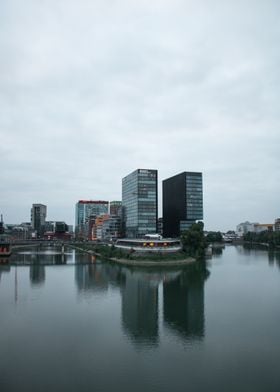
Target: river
{"x":73,"y":323}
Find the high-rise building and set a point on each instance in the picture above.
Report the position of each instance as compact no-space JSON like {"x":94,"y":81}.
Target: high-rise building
{"x":116,"y":208}
{"x":2,"y":230}
{"x":140,"y":200}
{"x":111,"y":228}
{"x":182,"y":202}
{"x":38,"y":217}
{"x":84,"y":210}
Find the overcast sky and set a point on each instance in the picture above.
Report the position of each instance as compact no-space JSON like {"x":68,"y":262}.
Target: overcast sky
{"x":93,"y":89}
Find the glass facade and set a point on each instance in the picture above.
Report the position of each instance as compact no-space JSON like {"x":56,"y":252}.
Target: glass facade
{"x":182,"y":202}
{"x":139,"y":200}
{"x":116,"y":208}
{"x":194,"y":207}
{"x":38,"y":217}
{"x":111,"y":228}
{"x":85,"y":209}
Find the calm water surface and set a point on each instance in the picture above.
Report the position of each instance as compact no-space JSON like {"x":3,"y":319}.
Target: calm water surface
{"x":72,"y":323}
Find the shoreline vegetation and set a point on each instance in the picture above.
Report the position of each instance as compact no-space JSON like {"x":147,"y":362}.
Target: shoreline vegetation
{"x":115,"y":255}
{"x":271,"y":239}
{"x":193,"y":241}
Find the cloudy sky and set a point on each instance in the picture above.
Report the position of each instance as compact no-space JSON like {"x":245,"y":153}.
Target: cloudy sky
{"x":92,"y":89}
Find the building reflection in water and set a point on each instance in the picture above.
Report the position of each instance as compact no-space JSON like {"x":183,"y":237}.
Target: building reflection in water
{"x":140,"y":306}
{"x":273,"y":255}
{"x":5,"y":267}
{"x":183,"y":298}
{"x":183,"y":302}
{"x":91,"y":277}
{"x":183,"y":293}
{"x":37,"y":274}
{"x":45,"y":257}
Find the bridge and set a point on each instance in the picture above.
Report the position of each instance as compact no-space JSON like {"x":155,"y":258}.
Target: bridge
{"x":17,"y":244}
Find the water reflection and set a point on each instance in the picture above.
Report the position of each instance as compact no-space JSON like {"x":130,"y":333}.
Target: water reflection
{"x":37,"y":274}
{"x":183,"y":298}
{"x":43,"y":256}
{"x":183,"y":303}
{"x":218,"y":251}
{"x":4,"y":268}
{"x":140,"y":306}
{"x":274,"y":258}
{"x":150,"y":299}
{"x":258,"y":251}
{"x":91,"y":277}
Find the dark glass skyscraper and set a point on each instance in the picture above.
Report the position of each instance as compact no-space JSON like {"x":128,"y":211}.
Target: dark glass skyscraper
{"x":139,"y":200}
{"x":38,"y":218}
{"x":182,"y":202}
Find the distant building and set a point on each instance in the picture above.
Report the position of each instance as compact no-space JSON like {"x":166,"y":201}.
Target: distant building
{"x":139,"y":200}
{"x":57,"y":231}
{"x":49,"y":226}
{"x":19,"y":233}
{"x":96,"y":227}
{"x":259,"y":227}
{"x":38,"y":218}
{"x":277,"y":224}
{"x":182,"y":202}
{"x":86,"y":209}
{"x":56,"y":226}
{"x":2,"y":229}
{"x":245,"y":227}
{"x":111,"y":228}
{"x":61,"y":227}
{"x":116,"y":208}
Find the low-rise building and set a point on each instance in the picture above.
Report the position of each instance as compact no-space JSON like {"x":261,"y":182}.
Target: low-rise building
{"x":244,"y":228}
{"x":259,"y":227}
{"x":149,"y":245}
{"x":277,"y":224}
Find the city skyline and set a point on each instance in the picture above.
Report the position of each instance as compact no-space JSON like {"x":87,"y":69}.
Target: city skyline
{"x":72,"y":220}
{"x":91,"y":91}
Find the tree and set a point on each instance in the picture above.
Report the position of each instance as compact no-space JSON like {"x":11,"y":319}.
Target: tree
{"x":272,"y":238}
{"x":214,"y":236}
{"x":193,"y":240}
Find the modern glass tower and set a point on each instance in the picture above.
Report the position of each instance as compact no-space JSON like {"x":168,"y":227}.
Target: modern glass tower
{"x":182,"y":202}
{"x":85,"y":209}
{"x":140,"y":200}
{"x":38,"y":217}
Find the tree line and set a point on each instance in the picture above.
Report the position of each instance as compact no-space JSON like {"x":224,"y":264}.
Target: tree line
{"x":195,"y":242}
{"x":272,"y":238}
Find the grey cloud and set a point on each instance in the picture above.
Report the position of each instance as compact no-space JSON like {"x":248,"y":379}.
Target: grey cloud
{"x":90,"y":91}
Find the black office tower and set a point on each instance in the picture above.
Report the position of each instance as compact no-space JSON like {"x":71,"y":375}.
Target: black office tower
{"x":182,"y":202}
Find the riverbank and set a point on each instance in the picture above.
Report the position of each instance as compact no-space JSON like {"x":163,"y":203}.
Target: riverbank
{"x":151,"y":263}
{"x":138,"y":261}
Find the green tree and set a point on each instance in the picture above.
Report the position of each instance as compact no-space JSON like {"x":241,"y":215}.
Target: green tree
{"x":214,"y":236}
{"x":272,"y":238}
{"x":193,"y":240}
